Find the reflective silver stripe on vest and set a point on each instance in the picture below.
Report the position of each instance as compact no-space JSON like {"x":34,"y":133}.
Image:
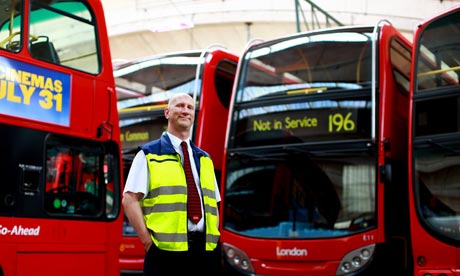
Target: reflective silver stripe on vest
{"x":208,"y":193}
{"x":167,"y":190}
{"x":170,"y":237}
{"x":176,"y":206}
{"x":212,"y":238}
{"x":211,"y":210}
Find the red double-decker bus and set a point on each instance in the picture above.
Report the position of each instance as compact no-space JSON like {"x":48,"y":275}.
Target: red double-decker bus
{"x":144,"y":87}
{"x":60,"y":148}
{"x":434,"y":146}
{"x":316,"y":151}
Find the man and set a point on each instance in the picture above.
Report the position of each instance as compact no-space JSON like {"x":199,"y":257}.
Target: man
{"x":156,"y":198}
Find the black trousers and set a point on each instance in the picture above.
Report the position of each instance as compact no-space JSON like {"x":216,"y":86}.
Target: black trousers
{"x":196,"y":260}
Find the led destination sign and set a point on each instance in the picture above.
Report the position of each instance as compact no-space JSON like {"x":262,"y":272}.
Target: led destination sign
{"x":302,"y":125}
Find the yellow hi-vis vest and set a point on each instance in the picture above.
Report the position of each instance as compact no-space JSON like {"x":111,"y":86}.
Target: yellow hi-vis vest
{"x":165,"y":206}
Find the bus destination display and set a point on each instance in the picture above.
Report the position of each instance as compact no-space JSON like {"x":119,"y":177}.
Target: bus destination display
{"x":302,"y":125}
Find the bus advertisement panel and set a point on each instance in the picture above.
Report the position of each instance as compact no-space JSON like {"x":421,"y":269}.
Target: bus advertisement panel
{"x":317,"y":136}
{"x":434,"y":146}
{"x":60,"y":145}
{"x":144,"y":87}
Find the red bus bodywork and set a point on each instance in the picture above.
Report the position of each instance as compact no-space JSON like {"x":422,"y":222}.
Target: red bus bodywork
{"x":54,"y":101}
{"x":207,"y":76}
{"x":433,"y":146}
{"x":249,"y":222}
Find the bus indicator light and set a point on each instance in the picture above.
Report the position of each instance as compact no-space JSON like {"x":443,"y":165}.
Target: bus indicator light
{"x":237,"y":259}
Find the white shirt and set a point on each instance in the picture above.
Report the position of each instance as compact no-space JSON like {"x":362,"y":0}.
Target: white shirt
{"x":138,"y":177}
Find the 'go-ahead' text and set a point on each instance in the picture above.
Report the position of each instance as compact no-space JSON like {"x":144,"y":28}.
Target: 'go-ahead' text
{"x":19,"y":230}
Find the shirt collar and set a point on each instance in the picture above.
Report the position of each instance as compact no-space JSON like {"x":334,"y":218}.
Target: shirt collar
{"x":176,"y":141}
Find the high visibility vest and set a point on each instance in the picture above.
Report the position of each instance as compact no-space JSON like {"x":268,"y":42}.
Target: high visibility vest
{"x":165,"y":206}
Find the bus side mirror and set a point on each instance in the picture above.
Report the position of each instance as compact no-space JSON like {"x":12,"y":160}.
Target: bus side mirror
{"x":386,"y":173}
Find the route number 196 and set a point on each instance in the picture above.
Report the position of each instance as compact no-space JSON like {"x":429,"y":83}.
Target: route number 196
{"x":341,"y":122}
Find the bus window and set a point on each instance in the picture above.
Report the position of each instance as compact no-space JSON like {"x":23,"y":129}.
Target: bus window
{"x":53,"y":45}
{"x":11,"y":27}
{"x":437,"y":65}
{"x":74,"y":184}
{"x":74,"y":48}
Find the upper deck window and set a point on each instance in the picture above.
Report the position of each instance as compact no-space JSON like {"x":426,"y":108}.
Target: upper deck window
{"x":73,"y":44}
{"x":307,"y":64}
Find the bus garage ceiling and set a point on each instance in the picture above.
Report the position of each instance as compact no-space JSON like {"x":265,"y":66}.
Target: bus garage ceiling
{"x":139,"y":28}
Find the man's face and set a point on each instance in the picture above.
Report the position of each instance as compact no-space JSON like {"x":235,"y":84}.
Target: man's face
{"x":181,"y":112}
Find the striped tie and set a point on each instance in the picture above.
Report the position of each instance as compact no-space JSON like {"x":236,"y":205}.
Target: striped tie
{"x":193,"y":199}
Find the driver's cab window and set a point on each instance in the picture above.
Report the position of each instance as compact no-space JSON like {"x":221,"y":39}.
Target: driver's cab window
{"x":77,"y":181}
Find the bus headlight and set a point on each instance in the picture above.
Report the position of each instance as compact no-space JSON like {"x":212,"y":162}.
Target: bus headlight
{"x":355,"y":260}
{"x":237,"y":259}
